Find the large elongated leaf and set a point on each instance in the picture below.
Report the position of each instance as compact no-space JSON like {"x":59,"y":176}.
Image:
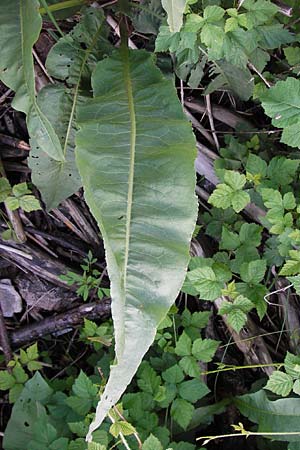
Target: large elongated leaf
{"x":175,"y":10}
{"x":71,"y":60}
{"x":272,"y":416}
{"x":20,"y":26}
{"x":135,"y":154}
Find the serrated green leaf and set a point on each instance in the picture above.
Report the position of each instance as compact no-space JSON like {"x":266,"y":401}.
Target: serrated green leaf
{"x":126,"y":89}
{"x":292,"y":55}
{"x":206,"y":283}
{"x":221,"y":196}
{"x":240,"y":200}
{"x":282,"y":170}
{"x":256,"y":165}
{"x":254,"y":271}
{"x":183,"y":345}
{"x":213,"y":13}
{"x":190,"y":366}
{"x":259,"y":12}
{"x":173,"y":375}
{"x":292,"y":365}
{"x":152,"y":443}
{"x":19,"y":374}
{"x":182,"y":412}
{"x":229,"y":239}
{"x":121,"y":427}
{"x":20,"y":26}
{"x":193,"y":390}
{"x":12,"y":203}
{"x":234,"y":179}
{"x":292,"y":266}
{"x":148,"y":380}
{"x":29,"y":203}
{"x":83,"y":387}
{"x":296,"y":283}
{"x":5,"y":189}
{"x":205,"y":349}
{"x":237,"y":319}
{"x":7,"y":381}
{"x":282,"y":104}
{"x":280,"y":383}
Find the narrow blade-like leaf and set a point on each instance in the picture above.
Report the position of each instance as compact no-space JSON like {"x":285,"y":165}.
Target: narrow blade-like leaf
{"x":20,"y":26}
{"x":135,"y":153}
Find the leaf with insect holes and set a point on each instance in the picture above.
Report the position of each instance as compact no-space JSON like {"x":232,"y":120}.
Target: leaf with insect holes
{"x":72,"y":60}
{"x":280,"y":383}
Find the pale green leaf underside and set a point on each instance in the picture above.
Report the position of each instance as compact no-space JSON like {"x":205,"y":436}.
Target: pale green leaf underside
{"x":56,"y":180}
{"x":135,"y":154}
{"x":20,"y":26}
{"x":174,"y":10}
{"x":71,"y":60}
{"x":272,"y":416}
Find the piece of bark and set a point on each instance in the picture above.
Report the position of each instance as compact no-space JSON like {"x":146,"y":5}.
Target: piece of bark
{"x":254,"y":350}
{"x":99,"y":310}
{"x":4,"y":339}
{"x":40,"y":295}
{"x":30,"y":259}
{"x":10,"y":299}
{"x":224,"y":115}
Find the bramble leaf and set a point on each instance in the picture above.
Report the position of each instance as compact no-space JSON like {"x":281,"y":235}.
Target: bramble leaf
{"x":280,"y":383}
{"x":205,"y":349}
{"x":182,"y":412}
{"x":282,"y":103}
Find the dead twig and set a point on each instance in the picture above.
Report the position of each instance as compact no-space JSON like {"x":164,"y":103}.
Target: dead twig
{"x":97,"y":310}
{"x":4,"y":340}
{"x":211,"y":121}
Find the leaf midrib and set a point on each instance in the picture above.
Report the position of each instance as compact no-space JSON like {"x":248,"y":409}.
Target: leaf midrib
{"x":87,"y":54}
{"x":129,"y":91}
{"x":31,"y":93}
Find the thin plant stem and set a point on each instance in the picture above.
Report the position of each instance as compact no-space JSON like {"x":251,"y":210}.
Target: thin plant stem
{"x":250,"y":366}
{"x":63,"y":5}
{"x":51,"y":17}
